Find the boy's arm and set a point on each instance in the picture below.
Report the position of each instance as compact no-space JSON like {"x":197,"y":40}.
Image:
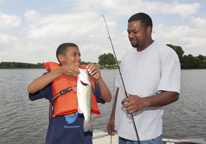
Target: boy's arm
{"x":95,"y":73}
{"x":41,"y":82}
{"x":105,"y":93}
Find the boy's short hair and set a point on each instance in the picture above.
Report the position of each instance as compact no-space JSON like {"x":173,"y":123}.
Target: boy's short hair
{"x":145,"y":19}
{"x":62,"y":49}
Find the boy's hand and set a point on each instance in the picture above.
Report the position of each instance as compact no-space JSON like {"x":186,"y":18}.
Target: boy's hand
{"x":94,"y":71}
{"x":70,"y":70}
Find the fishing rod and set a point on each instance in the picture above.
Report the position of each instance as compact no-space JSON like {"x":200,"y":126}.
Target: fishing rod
{"x":121,"y":77}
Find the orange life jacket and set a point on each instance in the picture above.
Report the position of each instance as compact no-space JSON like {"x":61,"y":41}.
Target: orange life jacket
{"x":64,"y":98}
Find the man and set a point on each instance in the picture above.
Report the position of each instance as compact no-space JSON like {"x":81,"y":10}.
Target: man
{"x":151,"y":74}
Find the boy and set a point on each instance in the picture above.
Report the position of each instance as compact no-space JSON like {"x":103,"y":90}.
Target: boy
{"x":67,"y":128}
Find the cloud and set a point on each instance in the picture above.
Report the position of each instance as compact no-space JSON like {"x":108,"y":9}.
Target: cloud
{"x":6,"y":41}
{"x":185,"y":10}
{"x":83,"y":24}
{"x":34,"y":52}
{"x":31,"y":15}
{"x":19,"y":51}
{"x":123,"y":7}
{"x":2,"y":1}
{"x":9,"y":21}
{"x":198,"y":22}
{"x":67,"y":26}
{"x":86,"y":29}
{"x":191,"y":37}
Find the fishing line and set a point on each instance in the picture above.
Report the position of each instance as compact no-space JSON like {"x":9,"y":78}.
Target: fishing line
{"x":121,"y":77}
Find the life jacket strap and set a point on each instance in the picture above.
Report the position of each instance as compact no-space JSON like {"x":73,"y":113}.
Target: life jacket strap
{"x":62,"y":92}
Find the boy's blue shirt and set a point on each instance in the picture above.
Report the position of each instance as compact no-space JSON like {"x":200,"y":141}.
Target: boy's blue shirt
{"x":65,"y":129}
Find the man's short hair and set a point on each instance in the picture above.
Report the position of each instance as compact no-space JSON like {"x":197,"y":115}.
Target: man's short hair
{"x":62,"y":49}
{"x":145,"y":19}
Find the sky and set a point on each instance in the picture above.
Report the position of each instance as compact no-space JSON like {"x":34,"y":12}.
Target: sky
{"x":31,"y":30}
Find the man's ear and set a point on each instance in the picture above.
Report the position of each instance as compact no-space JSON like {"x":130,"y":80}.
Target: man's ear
{"x":61,"y":57}
{"x":149,"y":30}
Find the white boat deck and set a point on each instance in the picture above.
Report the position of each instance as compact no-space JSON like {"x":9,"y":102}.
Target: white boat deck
{"x":102,"y":137}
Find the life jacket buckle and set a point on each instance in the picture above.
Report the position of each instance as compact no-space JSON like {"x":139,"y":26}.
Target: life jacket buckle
{"x":64,"y":91}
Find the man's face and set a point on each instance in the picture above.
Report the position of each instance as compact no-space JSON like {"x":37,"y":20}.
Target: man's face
{"x":72,"y":56}
{"x":137,"y":35}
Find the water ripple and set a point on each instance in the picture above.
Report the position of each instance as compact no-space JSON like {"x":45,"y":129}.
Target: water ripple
{"x":25,"y":121}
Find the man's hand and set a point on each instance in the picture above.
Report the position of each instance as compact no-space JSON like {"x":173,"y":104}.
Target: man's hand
{"x":110,"y":126}
{"x":134,"y":103}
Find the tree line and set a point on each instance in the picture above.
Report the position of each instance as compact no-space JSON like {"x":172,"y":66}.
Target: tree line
{"x":187,"y":61}
{"x":5,"y":65}
{"x":11,"y":65}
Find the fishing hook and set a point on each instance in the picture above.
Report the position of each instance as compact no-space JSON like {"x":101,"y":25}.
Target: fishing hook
{"x":121,"y":77}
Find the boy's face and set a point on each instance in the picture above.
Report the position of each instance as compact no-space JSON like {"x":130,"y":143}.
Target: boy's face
{"x":72,"y":56}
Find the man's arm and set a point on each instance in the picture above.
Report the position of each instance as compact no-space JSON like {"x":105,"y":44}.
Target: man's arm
{"x":111,"y":123}
{"x":135,"y":103}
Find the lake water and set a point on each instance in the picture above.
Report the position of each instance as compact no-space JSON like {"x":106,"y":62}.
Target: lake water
{"x":26,"y":122}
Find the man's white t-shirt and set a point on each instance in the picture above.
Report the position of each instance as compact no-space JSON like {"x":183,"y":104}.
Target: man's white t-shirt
{"x":145,"y":73}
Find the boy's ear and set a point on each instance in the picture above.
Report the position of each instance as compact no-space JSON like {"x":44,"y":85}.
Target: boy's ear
{"x":61,"y":57}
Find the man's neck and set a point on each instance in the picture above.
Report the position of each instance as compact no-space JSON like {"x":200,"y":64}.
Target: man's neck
{"x":139,"y":49}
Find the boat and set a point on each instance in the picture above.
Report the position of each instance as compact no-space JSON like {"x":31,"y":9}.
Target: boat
{"x":102,"y":137}
{"x":184,"y":141}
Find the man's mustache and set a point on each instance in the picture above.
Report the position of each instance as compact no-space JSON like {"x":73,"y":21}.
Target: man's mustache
{"x":133,"y":39}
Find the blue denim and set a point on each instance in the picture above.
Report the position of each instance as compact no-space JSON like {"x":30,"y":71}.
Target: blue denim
{"x":157,"y":140}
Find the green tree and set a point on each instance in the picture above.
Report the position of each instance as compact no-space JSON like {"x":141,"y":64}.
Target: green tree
{"x":178,"y":50}
{"x":39,"y":65}
{"x":201,"y":57}
{"x":84,"y":63}
{"x":102,"y":59}
{"x":188,"y":62}
{"x":12,"y":65}
{"x":106,"y":59}
{"x":20,"y":65}
{"x":110,"y":59}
